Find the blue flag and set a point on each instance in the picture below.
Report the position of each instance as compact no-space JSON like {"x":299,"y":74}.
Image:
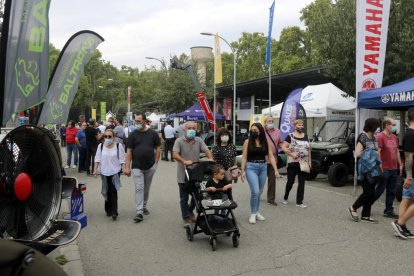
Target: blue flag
{"x":290,"y":112}
{"x":269,"y":36}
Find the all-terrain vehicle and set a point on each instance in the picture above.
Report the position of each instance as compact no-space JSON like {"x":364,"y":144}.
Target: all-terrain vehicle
{"x":332,"y":151}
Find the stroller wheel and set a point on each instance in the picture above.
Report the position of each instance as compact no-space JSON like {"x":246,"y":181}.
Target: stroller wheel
{"x":213,"y":243}
{"x":235,"y":239}
{"x":228,"y":234}
{"x":189,"y":232}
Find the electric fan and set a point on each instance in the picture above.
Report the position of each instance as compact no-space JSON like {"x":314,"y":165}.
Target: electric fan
{"x":30,"y":183}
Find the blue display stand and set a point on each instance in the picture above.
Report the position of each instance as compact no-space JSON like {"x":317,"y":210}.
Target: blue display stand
{"x":77,"y":206}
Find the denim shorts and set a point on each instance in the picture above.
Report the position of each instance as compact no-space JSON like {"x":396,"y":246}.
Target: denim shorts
{"x":409,"y":193}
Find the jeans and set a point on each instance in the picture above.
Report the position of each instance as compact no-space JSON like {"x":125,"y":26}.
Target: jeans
{"x":366,"y":199}
{"x":90,"y":156}
{"x":168,"y":147}
{"x":82,"y":158}
{"x":293,"y":169}
{"x":62,"y":140}
{"x":185,"y":207}
{"x":69,"y":149}
{"x":142,"y":180}
{"x":256,"y":174}
{"x":389,"y":182}
{"x":271,"y":184}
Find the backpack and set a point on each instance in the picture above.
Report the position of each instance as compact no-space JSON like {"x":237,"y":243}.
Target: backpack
{"x":117,"y":149}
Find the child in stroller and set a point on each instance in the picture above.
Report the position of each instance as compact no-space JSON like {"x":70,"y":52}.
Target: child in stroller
{"x":214,"y":203}
{"x":219,"y":190}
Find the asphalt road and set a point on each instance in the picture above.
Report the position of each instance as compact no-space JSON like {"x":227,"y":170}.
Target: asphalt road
{"x":319,"y":240}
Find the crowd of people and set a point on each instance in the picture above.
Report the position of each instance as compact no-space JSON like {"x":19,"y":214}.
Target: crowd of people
{"x":113,"y":149}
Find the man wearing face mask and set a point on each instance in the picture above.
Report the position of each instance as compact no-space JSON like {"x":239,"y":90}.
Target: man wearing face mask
{"x":110,"y":124}
{"x":274,"y":140}
{"x":391,"y":165}
{"x":187,"y":150}
{"x":143,"y":149}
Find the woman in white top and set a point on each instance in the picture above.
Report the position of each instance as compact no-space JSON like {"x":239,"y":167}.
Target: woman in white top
{"x":110,"y":158}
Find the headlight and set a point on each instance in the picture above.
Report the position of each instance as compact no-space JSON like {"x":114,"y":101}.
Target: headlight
{"x":333,"y":150}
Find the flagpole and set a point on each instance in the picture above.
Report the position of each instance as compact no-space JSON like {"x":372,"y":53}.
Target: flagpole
{"x":214,"y":106}
{"x":270,"y":87}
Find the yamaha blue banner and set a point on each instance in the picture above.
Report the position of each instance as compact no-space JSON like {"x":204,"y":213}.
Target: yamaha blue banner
{"x":269,"y":35}
{"x":66,"y":76}
{"x":290,"y":112}
{"x":27,"y":60}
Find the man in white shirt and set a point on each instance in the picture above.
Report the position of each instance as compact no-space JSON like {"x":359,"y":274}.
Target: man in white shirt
{"x":169,"y":133}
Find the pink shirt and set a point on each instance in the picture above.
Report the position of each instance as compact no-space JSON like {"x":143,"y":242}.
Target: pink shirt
{"x":389,"y":149}
{"x":277,"y":139}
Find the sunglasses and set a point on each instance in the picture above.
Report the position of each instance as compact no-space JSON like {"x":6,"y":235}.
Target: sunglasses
{"x":108,"y":136}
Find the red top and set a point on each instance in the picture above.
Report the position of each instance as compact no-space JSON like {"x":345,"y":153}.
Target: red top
{"x":276,"y":137}
{"x":389,"y":150}
{"x":70,"y":135}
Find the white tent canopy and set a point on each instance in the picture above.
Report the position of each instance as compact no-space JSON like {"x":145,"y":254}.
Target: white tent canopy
{"x":324,"y":100}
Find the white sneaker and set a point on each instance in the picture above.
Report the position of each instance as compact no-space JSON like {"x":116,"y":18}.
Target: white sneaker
{"x":302,"y":205}
{"x":74,"y":167}
{"x":285,"y":202}
{"x":252,"y":219}
{"x":260,"y":217}
{"x":66,"y":167}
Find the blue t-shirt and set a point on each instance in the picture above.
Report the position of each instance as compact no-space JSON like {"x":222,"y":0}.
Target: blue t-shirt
{"x":82,"y":137}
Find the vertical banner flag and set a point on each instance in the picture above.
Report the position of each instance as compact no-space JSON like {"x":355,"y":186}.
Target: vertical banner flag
{"x":66,"y":76}
{"x":93,"y":113}
{"x":269,"y":35}
{"x":372,"y":28}
{"x":27,"y":60}
{"x":218,"y":68}
{"x":227,"y":107}
{"x":289,"y":112}
{"x":103,"y":111}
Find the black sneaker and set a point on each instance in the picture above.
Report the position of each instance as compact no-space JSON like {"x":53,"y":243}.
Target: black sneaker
{"x":138,"y":218}
{"x":351,"y":213}
{"x":391,"y":214}
{"x":369,"y":219}
{"x":146,"y":212}
{"x":272,"y":203}
{"x":399,"y":230}
{"x":114,"y":216}
{"x":408,"y":234}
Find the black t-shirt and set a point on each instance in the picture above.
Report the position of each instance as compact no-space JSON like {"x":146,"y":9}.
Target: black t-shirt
{"x":408,"y":142}
{"x":220,"y":185}
{"x":90,"y":134}
{"x":289,"y":139}
{"x":143,"y":144}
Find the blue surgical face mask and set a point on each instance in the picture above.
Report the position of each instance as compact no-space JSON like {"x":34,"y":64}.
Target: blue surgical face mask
{"x":138,"y":126}
{"x":108,"y":142}
{"x":393,"y":129}
{"x":270,"y":126}
{"x":191,"y":133}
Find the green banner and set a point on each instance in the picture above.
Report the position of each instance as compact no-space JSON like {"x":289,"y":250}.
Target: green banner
{"x":103,"y":111}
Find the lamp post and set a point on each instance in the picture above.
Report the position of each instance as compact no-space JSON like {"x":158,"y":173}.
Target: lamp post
{"x":234,"y":82}
{"x":161,"y":61}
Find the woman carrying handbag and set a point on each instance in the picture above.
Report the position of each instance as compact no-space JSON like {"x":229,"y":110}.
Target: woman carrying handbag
{"x":298,"y":150}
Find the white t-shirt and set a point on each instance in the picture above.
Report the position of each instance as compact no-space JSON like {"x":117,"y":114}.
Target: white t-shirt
{"x":169,"y":132}
{"x":126,"y":132}
{"x":108,"y":159}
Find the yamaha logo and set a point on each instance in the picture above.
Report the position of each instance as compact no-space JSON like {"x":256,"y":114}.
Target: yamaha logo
{"x":385,"y":98}
{"x":369,"y":84}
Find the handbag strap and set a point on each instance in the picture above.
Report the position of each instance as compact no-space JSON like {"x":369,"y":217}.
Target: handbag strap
{"x":271,"y":139}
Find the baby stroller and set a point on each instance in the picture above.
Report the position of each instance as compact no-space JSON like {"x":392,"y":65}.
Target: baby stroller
{"x":214,"y":220}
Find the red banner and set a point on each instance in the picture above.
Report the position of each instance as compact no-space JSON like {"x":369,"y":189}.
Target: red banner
{"x":206,"y":108}
{"x":227,"y":108}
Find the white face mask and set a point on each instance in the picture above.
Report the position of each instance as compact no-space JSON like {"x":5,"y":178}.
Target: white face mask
{"x":224,"y":138}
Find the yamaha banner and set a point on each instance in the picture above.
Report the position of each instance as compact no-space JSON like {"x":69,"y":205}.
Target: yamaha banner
{"x":27,"y":59}
{"x":65,"y":78}
{"x":290,"y":112}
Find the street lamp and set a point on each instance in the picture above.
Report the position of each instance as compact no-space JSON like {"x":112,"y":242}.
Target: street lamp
{"x":161,"y":61}
{"x":234,"y":82}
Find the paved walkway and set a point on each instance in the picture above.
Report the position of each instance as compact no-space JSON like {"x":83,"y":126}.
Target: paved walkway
{"x":319,"y":240}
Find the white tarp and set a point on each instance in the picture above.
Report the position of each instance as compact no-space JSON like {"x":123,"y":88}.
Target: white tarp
{"x":324,"y":100}
{"x":154,"y":118}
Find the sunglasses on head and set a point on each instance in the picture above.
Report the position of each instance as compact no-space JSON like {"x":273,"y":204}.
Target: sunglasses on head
{"x":108,"y":136}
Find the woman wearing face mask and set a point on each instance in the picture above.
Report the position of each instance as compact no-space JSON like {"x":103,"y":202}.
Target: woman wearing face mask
{"x":110,"y":158}
{"x":297,"y":148}
{"x":254,"y":167}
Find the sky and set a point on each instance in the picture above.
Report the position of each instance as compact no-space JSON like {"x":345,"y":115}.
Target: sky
{"x":135,"y":29}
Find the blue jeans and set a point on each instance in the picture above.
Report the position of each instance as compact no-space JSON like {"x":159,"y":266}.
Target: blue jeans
{"x":409,"y":193}
{"x":69,"y":149}
{"x":388,"y":183}
{"x":185,"y":207}
{"x":256,"y":174}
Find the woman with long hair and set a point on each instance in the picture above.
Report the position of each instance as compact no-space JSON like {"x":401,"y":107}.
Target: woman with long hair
{"x":224,"y":151}
{"x":110,"y":158}
{"x":254,"y":167}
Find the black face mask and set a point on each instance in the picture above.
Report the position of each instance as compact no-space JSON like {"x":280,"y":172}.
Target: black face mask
{"x":300,"y":129}
{"x":254,"y":134}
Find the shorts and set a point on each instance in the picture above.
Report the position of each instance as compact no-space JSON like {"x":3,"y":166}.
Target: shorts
{"x":409,"y":193}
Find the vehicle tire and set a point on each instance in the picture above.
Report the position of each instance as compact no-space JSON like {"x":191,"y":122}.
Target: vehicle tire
{"x":235,"y":239}
{"x":213,"y":242}
{"x":189,"y":232}
{"x":338,"y":174}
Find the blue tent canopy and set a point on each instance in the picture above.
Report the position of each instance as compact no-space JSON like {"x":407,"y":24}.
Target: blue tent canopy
{"x":196,"y":113}
{"x":399,"y":96}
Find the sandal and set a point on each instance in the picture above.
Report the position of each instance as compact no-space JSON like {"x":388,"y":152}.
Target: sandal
{"x":353,"y":214}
